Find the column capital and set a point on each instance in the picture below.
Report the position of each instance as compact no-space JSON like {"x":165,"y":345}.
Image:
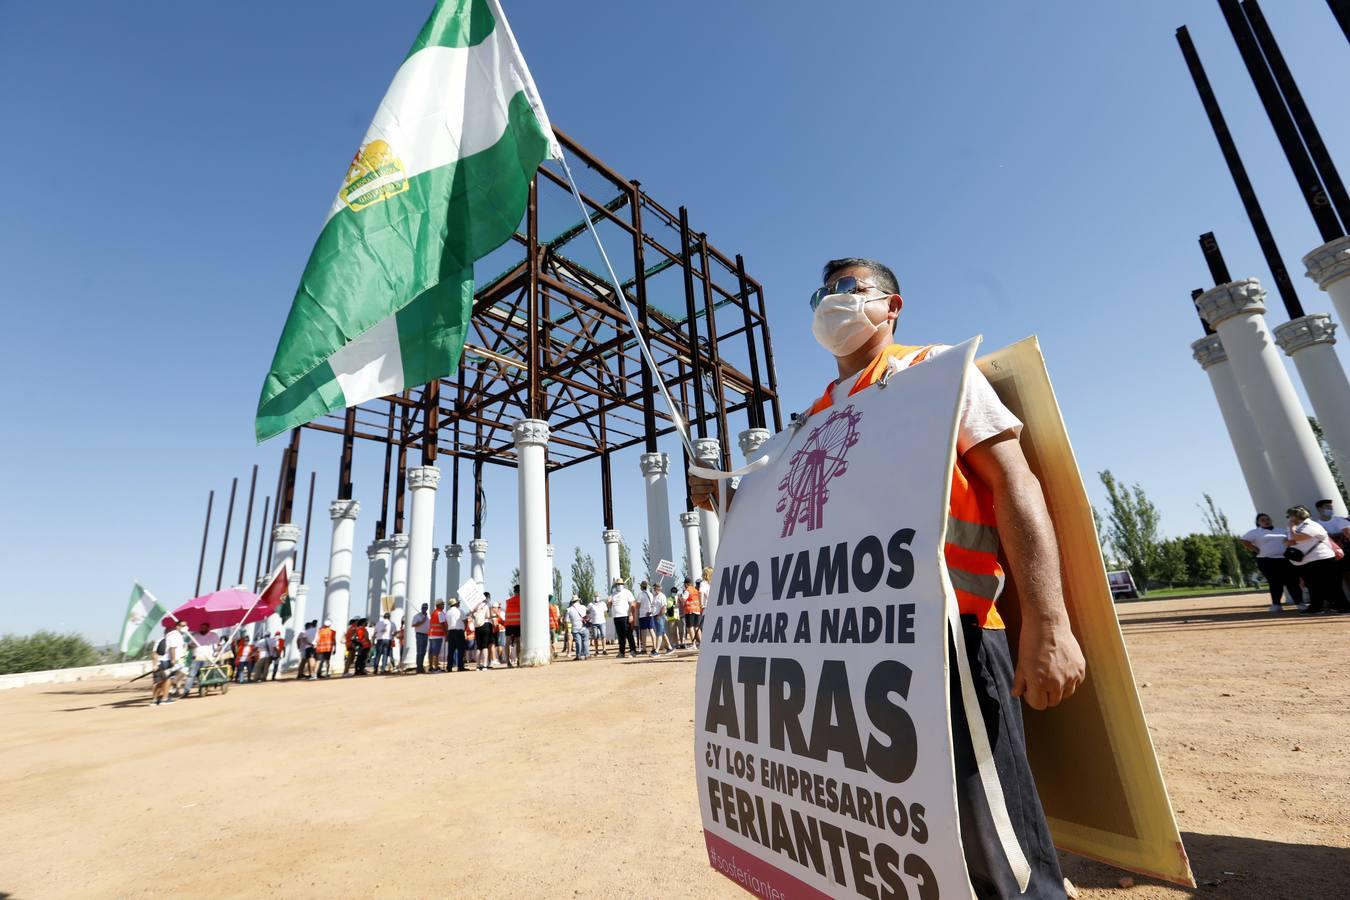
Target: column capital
{"x":611,"y":536}
{"x":688,"y":519}
{"x":1208,"y":351}
{"x":373,"y":550}
{"x":1237,"y":298}
{"x":397,"y":542}
{"x":751,"y":439}
{"x":531,"y":433}
{"x":344,"y":509}
{"x":1329,"y":262}
{"x":422,"y":477}
{"x":1305,"y":331}
{"x":454,"y":551}
{"x":478,"y":545}
{"x":707,"y":449}
{"x":548,"y":550}
{"x":286,"y":532}
{"x":435,"y":553}
{"x":654,"y":463}
{"x":302,"y":590}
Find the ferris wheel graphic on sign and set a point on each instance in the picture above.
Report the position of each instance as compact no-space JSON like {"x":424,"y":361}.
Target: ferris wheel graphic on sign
{"x":805,"y":487}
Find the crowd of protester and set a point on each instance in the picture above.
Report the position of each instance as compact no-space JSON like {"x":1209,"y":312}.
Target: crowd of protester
{"x":1306,"y":563}
{"x":449,"y":637}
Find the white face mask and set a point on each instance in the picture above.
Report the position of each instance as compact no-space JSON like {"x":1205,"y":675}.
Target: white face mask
{"x":844,"y":322}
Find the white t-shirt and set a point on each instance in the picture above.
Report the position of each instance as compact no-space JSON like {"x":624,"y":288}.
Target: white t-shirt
{"x":598,"y":612}
{"x":421,"y":623}
{"x":620,"y":602}
{"x":1335,"y":525}
{"x":311,"y":635}
{"x":659,"y":602}
{"x":983,"y":415}
{"x":576,"y":616}
{"x":173,"y":647}
{"x":644,"y":602}
{"x":383,"y":628}
{"x":704,"y":589}
{"x":1269,"y":542}
{"x":1313,"y":551}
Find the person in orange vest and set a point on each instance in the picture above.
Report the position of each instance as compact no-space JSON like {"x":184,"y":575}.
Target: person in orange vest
{"x":498,"y":631}
{"x":553,"y":621}
{"x":436,"y":631}
{"x":693,"y":612}
{"x":362,"y":645}
{"x":996,"y":504}
{"x":349,"y":649}
{"x":512,"y":620}
{"x":324,"y":644}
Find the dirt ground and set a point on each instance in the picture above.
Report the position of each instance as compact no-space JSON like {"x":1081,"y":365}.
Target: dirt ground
{"x":577,"y":780}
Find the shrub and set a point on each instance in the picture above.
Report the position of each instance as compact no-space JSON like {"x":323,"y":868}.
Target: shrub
{"x":44,"y":650}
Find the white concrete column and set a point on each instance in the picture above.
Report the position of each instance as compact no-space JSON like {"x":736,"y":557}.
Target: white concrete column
{"x":655,"y":472}
{"x":338,"y":594}
{"x":692,"y":548}
{"x":751,"y":439}
{"x":435,"y":557}
{"x":377,"y":576}
{"x":478,"y":560}
{"x":1251,"y":453}
{"x":536,"y":574}
{"x":398,"y":589}
{"x":1329,"y":266}
{"x":1236,"y":311}
{"x":291,"y":655}
{"x":453,"y":554}
{"x":611,"y":537}
{"x":709,"y":454}
{"x":1310,"y":342}
{"x":284,"y":538}
{"x":549,"y":555}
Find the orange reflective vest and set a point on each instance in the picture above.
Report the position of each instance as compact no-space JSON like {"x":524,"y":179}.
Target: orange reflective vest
{"x":437,"y":624}
{"x":971,"y":549}
{"x":325,"y":641}
{"x":693,"y":602}
{"x":552,"y":617}
{"x":513,"y":610}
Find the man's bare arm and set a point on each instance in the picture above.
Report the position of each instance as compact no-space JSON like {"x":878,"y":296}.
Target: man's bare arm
{"x":1049,"y":662}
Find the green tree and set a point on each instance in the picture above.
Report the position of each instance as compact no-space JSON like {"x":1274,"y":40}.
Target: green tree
{"x":557,"y":585}
{"x":625,"y":563}
{"x":515,"y":575}
{"x":583,"y":576}
{"x":1204,"y":558}
{"x":1218,"y":526}
{"x":1171,"y":566}
{"x":1132,"y":527}
{"x":45,"y":650}
{"x":1331,"y":462}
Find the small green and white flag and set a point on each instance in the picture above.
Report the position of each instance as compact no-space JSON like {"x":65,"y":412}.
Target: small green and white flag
{"x":144,"y":614}
{"x":441,"y":180}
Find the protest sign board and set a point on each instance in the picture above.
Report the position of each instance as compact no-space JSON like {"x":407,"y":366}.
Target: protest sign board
{"x":665,"y":568}
{"x":822,"y":743}
{"x":470,"y":594}
{"x":1111,"y":803}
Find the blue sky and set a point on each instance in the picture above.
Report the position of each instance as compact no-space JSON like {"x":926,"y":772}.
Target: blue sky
{"x":1025,"y":168}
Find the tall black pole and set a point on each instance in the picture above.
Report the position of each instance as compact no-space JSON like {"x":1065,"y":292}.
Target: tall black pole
{"x":755,"y":410}
{"x":1341,"y":10}
{"x":1218,"y":269}
{"x":344,"y":491}
{"x":206,"y":529}
{"x":1303,"y":120}
{"x":691,"y":324}
{"x":1304,"y":172}
{"x":262,"y":536}
{"x":225,"y":541}
{"x":309,"y":517}
{"x":1264,"y":238}
{"x":248,"y":523}
{"x":383,"y":521}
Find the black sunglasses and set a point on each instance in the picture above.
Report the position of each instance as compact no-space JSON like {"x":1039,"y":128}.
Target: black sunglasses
{"x":845,"y":285}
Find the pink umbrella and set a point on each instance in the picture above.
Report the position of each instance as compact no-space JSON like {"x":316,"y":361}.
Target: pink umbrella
{"x":221,"y":609}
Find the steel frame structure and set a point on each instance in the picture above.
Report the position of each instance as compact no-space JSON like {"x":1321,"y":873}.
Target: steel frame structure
{"x":548,"y":340}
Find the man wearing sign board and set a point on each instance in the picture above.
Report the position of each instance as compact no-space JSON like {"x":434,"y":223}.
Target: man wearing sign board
{"x":996,"y":504}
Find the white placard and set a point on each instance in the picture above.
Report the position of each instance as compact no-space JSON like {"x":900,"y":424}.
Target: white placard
{"x":470,"y":594}
{"x":822,"y":743}
{"x":665,"y":567}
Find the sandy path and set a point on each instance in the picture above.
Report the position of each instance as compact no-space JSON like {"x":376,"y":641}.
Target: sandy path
{"x":578,"y":780}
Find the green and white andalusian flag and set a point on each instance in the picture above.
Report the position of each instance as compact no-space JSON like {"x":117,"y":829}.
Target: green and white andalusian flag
{"x":441,"y":179}
{"x":144,"y":613}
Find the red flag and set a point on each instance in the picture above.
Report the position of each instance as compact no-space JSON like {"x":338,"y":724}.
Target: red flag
{"x":277,"y":595}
